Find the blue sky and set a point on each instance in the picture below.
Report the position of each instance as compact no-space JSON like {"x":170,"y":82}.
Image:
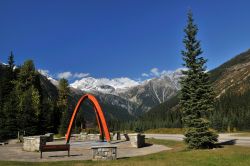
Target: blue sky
{"x":117,"y":38}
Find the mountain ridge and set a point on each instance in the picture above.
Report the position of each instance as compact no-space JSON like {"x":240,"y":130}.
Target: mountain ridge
{"x":137,"y":97}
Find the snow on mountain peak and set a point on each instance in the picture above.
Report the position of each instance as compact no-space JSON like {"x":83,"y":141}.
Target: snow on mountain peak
{"x":47,"y":75}
{"x":115,"y":85}
{"x":104,"y":85}
{"x":5,"y":64}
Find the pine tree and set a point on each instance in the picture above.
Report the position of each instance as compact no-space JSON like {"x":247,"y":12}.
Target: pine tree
{"x":197,"y":98}
{"x":63,"y":105}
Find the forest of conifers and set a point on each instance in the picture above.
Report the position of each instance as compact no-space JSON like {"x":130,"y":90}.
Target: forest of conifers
{"x":26,"y":107}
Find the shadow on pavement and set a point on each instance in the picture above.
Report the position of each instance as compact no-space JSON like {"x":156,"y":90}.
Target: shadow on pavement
{"x":229,"y":142}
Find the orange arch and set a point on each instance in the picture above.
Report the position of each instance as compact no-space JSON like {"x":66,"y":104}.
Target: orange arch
{"x":99,"y":117}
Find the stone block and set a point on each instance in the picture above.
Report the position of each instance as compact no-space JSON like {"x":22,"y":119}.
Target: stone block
{"x":104,"y":152}
{"x":33,"y":143}
{"x":87,"y":137}
{"x":137,"y":140}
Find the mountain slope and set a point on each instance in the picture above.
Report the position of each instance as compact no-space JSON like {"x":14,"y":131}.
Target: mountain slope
{"x":136,"y":97}
{"x":231,"y":82}
{"x":113,"y":110}
{"x":233,"y":74}
{"x":152,"y":92}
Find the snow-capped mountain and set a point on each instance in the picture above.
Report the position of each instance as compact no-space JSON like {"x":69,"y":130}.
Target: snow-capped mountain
{"x":104,"y":85}
{"x":140,"y":96}
{"x":121,"y":85}
{"x":5,"y":64}
{"x":134,"y":96}
{"x":154,"y":91}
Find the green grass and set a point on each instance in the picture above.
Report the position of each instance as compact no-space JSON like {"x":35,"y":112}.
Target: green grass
{"x":178,"y":156}
{"x":165,"y":131}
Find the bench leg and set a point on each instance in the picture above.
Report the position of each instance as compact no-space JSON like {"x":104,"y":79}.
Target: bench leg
{"x":41,"y":155}
{"x":68,"y":153}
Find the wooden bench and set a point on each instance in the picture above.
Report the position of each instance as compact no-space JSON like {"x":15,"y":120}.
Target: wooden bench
{"x":53,"y":148}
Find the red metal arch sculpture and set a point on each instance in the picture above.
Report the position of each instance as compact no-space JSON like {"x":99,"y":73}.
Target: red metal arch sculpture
{"x":99,"y":116}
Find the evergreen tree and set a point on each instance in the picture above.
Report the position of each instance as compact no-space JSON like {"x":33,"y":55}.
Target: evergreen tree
{"x":24,"y":103}
{"x":197,"y":98}
{"x":49,"y":117}
{"x":2,"y":100}
{"x":63,"y":104}
{"x":10,"y":111}
{"x":7,"y":103}
{"x":80,"y":121}
{"x":28,"y":76}
{"x":6,"y":80}
{"x":11,"y":61}
{"x":55,"y":117}
{"x":29,"y":98}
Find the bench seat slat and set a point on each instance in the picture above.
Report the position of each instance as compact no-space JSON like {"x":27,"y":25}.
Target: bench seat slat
{"x":55,"y":147}
{"x":52,"y":148}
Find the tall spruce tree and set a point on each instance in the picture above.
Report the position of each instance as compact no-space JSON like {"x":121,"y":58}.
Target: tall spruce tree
{"x":197,"y":97}
{"x":10,"y":105}
{"x":63,"y":105}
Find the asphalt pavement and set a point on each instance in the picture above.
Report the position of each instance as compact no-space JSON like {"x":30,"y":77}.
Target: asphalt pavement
{"x":223,"y":138}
